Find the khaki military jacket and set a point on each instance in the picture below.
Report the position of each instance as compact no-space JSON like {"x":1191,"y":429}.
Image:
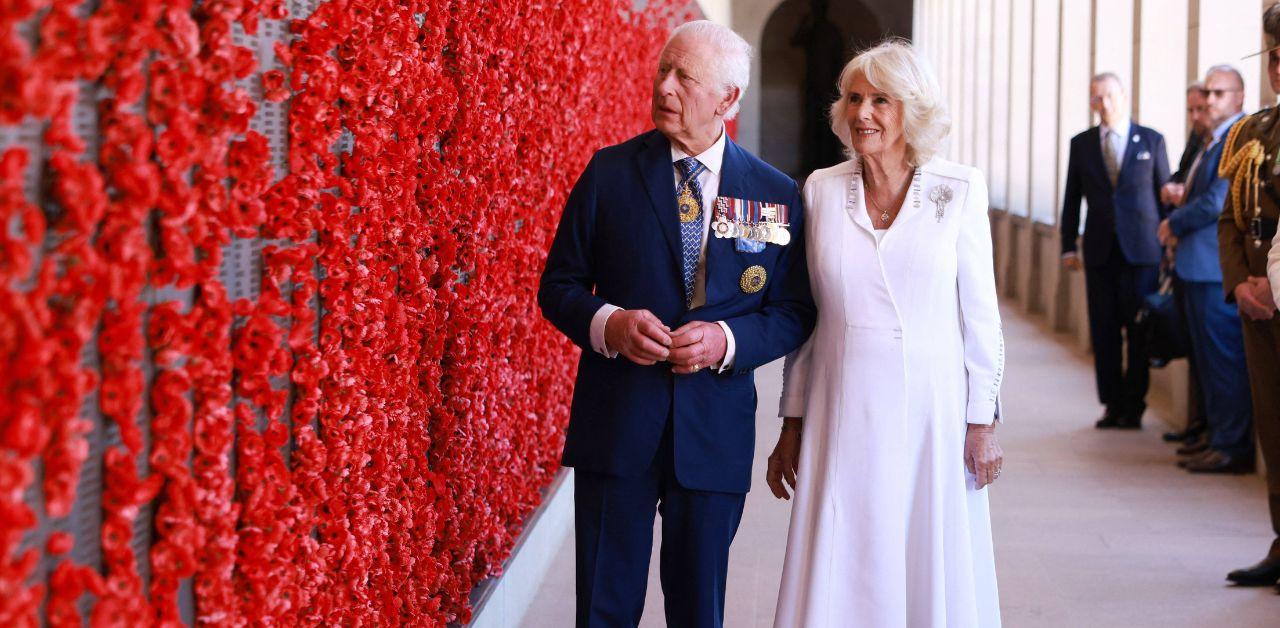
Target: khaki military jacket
{"x":1251,"y":162}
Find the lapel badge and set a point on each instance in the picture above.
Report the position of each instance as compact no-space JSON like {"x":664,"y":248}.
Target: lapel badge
{"x":940,"y":195}
{"x":753,"y":279}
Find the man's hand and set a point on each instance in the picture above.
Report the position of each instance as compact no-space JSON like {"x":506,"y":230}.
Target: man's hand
{"x":696,"y":345}
{"x":1071,"y":262}
{"x":1262,"y":292}
{"x":1173,"y":194}
{"x":638,"y":335}
{"x":1247,"y":301}
{"x":1165,"y":234}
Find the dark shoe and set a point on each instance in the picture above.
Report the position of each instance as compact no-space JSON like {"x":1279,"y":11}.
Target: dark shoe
{"x":1217,"y":462}
{"x":1110,"y":419}
{"x":1193,"y":458}
{"x":1129,"y":422}
{"x":1263,"y":574}
{"x":1193,"y":448}
{"x":1185,"y":436}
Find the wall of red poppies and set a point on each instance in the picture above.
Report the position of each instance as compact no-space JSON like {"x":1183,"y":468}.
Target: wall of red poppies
{"x":267,"y":322}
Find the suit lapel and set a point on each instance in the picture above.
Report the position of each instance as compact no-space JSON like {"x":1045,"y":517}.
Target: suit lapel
{"x":659,"y":177}
{"x":735,"y":175}
{"x":1132,"y":146}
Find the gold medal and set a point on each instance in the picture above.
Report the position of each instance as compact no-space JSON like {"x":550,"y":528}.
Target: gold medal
{"x":753,"y":279}
{"x":688,"y":205}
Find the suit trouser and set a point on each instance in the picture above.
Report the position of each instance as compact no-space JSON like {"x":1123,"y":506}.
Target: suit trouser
{"x":1218,"y":344}
{"x":1114,"y":292}
{"x":1262,"y":349}
{"x":1196,"y":422}
{"x":614,"y":537}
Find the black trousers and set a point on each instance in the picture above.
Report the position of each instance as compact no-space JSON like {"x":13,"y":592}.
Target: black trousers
{"x":1115,"y":291}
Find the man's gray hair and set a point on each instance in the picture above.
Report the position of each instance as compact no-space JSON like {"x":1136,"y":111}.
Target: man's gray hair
{"x":1223,"y":68}
{"x":1108,"y":76}
{"x":732,"y":66}
{"x":1195,"y":86}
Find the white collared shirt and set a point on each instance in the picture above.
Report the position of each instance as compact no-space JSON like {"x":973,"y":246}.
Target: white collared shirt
{"x":709,"y":180}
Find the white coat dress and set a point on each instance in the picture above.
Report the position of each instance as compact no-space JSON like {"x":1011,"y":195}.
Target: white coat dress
{"x":887,"y":528}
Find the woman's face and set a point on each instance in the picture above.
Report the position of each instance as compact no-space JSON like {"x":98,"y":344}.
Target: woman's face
{"x":874,"y":119}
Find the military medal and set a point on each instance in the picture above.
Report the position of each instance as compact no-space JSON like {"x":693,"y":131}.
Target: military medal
{"x":753,"y":279}
{"x":940,"y":195}
{"x":722,"y":227}
{"x":751,"y":223}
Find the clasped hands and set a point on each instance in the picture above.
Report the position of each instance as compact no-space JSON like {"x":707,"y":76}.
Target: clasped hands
{"x":642,"y":338}
{"x":1255,"y":300}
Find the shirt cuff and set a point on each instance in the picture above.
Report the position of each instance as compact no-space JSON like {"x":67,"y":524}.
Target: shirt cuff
{"x":729,"y":348}
{"x":1069,"y":254}
{"x":597,"y":330}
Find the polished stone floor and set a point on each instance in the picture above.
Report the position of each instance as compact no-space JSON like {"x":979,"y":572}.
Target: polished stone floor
{"x":1092,"y":529}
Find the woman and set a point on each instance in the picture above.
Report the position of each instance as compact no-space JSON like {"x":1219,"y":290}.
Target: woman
{"x":889,"y":437}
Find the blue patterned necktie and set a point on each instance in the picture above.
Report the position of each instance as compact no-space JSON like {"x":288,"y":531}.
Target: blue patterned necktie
{"x":689,"y":201}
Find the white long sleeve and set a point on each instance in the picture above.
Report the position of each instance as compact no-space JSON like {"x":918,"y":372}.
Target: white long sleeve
{"x":979,"y":307}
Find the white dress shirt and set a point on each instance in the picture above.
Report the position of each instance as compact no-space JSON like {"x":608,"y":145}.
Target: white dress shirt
{"x":709,"y":179}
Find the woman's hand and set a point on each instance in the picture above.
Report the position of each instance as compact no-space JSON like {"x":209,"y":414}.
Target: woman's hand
{"x":785,"y":459}
{"x":982,"y":454}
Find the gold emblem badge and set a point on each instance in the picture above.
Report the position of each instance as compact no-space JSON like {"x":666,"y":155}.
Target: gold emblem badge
{"x":753,"y":279}
{"x":688,"y":205}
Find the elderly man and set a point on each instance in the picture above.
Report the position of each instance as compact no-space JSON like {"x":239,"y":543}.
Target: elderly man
{"x":1246,"y":239}
{"x":1119,"y":168}
{"x":634,"y":272}
{"x":1214,"y":324}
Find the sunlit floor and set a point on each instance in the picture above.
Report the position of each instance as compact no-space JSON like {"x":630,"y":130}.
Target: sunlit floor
{"x":1092,"y":529}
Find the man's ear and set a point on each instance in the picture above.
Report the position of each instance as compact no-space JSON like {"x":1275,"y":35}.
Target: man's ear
{"x":730,"y":97}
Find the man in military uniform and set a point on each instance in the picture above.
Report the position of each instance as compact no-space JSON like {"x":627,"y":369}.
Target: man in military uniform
{"x":1251,"y":161}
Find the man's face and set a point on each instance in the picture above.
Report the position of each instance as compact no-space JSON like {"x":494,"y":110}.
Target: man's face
{"x":1197,"y":112}
{"x":1224,"y":97}
{"x":688,"y":100}
{"x":1107,"y":100}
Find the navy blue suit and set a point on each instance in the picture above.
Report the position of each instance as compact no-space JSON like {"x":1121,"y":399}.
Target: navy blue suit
{"x":1121,"y":255}
{"x":640,"y":436}
{"x":1217,"y":339}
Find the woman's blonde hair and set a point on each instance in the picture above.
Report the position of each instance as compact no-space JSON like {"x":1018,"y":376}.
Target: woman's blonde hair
{"x":895,"y":68}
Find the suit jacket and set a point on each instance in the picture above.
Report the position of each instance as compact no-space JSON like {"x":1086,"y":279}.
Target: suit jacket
{"x":1194,"y":144}
{"x":619,"y":242}
{"x":1128,"y":212}
{"x":1196,"y":222}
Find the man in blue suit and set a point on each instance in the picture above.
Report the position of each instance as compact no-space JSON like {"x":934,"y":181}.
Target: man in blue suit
{"x":634,"y":272}
{"x":1119,"y":168}
{"x":1214,"y":325}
